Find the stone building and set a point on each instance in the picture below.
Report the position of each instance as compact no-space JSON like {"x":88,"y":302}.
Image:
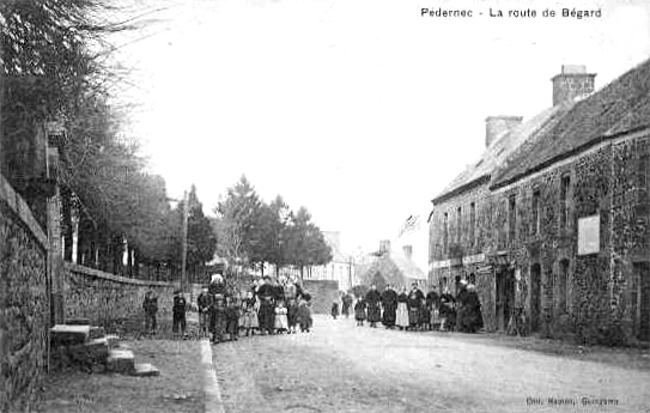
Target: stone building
{"x":391,"y":267}
{"x":341,"y":267}
{"x":552,"y":221}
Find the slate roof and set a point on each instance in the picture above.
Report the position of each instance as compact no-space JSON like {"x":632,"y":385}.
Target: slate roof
{"x":407,"y":270}
{"x":497,"y":153}
{"x":622,"y":106}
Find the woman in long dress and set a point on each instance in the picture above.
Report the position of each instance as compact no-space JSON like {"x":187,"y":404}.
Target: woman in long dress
{"x":373,"y":299}
{"x":402,"y":318}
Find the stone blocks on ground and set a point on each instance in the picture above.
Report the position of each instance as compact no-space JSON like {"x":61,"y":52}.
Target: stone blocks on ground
{"x":91,"y":352}
{"x":145,"y":370}
{"x":67,"y":335}
{"x":120,"y":361}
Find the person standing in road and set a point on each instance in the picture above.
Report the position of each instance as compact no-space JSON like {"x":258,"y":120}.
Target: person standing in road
{"x":335,"y":308}
{"x":204,"y":302}
{"x":150,"y":306}
{"x":431,"y":303}
{"x":447,"y":311}
{"x":415,"y":301}
{"x":347,"y":304}
{"x":179,"y":307}
{"x":402,"y":318}
{"x":360,"y":311}
{"x":373,"y":299}
{"x":265,"y":294}
{"x":389,"y":304}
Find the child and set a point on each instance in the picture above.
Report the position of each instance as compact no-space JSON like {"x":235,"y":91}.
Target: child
{"x":250,"y":322}
{"x":304,"y":313}
{"x":335,"y":309}
{"x":204,"y":302}
{"x":178,"y":310}
{"x":360,"y":312}
{"x":292,"y":315}
{"x":150,"y":306}
{"x":281,"y":323}
{"x":232,"y":318}
{"x":218,"y":321}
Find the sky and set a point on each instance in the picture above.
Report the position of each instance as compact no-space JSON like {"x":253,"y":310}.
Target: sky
{"x":360,"y":110}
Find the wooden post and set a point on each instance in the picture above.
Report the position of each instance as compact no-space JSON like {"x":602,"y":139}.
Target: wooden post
{"x":184,"y":258}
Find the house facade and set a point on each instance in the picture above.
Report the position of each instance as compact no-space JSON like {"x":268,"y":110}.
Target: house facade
{"x":396,"y":268}
{"x":555,"y":229}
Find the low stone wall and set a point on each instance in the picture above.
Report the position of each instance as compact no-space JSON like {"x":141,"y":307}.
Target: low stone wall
{"x":23,"y":301}
{"x":323,"y":292}
{"x":103,"y":298}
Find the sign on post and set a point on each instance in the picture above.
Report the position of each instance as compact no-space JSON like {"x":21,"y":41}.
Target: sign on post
{"x":589,"y":235}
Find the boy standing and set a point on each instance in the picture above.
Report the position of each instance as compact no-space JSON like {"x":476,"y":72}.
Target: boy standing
{"x":150,"y":306}
{"x":178,"y":310}
{"x":204,"y":302}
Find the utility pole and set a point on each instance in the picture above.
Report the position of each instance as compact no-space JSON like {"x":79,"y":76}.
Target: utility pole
{"x":184,"y":258}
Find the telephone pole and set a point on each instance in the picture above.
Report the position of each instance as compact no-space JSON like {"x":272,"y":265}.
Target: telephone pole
{"x":184,"y":258}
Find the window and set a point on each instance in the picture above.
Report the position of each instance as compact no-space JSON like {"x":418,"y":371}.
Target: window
{"x":512,"y":218}
{"x":445,"y":239}
{"x":536,"y":215}
{"x":459,"y":225}
{"x":562,"y":286}
{"x":472,"y":223}
{"x":565,"y":188}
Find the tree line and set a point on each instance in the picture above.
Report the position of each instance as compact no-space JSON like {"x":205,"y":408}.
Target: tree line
{"x":54,"y":57}
{"x":253,"y":233}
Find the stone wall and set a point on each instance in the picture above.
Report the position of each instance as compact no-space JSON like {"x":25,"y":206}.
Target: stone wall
{"x":104,"y":298}
{"x":23,"y":301}
{"x":322,"y":292}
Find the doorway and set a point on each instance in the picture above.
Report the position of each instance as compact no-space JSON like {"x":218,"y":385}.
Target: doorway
{"x":535,"y":296}
{"x":505,"y":297}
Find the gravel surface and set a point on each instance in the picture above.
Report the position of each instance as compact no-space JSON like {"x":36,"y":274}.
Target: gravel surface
{"x":343,"y":368}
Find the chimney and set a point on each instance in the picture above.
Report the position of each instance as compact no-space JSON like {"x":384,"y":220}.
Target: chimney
{"x":384,"y":247}
{"x":573,"y":82}
{"x":496,"y":126}
{"x":408,"y":251}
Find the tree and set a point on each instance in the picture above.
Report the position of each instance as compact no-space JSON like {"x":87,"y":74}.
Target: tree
{"x":201,"y":240}
{"x":238,"y":223}
{"x":306,"y":243}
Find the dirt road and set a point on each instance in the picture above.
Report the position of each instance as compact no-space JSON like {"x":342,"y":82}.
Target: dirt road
{"x":343,"y":368}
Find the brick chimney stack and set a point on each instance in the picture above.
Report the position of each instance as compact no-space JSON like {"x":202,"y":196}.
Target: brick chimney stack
{"x":408,"y":251}
{"x":496,"y":126}
{"x":573,"y":82}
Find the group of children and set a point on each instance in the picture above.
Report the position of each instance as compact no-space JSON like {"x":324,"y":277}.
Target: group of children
{"x":226,"y":316}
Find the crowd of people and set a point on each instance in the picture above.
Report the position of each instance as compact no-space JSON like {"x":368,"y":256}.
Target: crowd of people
{"x":267,"y":307}
{"x":416,"y":311}
{"x":282,"y":307}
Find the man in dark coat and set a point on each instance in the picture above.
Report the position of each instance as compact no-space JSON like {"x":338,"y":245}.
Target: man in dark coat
{"x":389,"y":304}
{"x":472,"y":319}
{"x":461,"y":305}
{"x":266,"y":294}
{"x":373,"y":298}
